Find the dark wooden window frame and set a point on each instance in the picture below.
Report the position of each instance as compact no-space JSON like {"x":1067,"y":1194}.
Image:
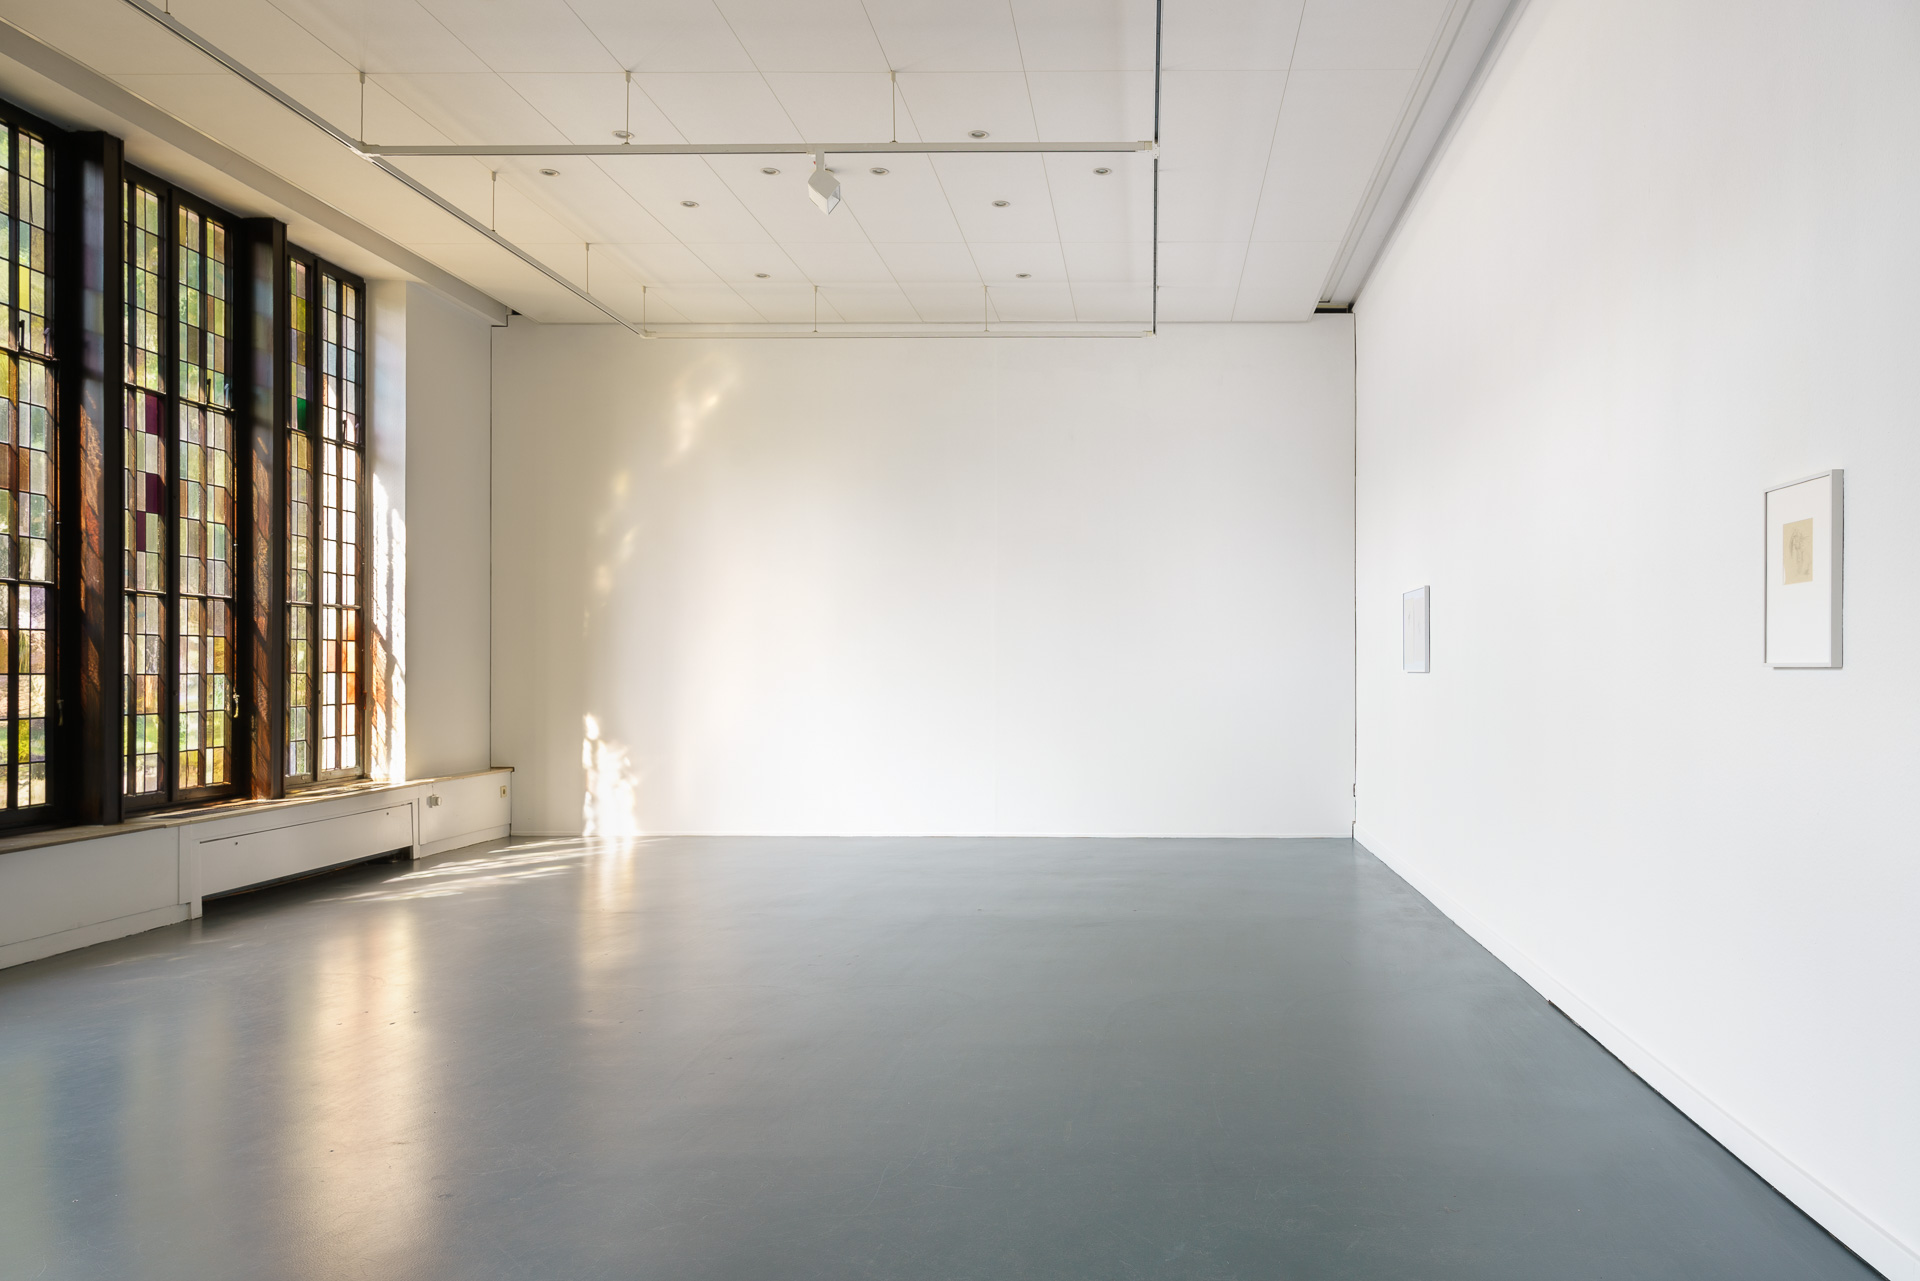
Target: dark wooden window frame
{"x":317,"y":269}
{"x":88,"y":316}
{"x":239,"y":784}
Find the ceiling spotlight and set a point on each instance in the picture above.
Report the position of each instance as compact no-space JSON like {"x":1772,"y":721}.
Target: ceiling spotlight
{"x":1000,"y":204}
{"x":551,"y":173}
{"x":759,"y":275}
{"x":976,"y":133}
{"x":1103,"y":170}
{"x":878,"y":173}
{"x":623,"y":134}
{"x":1023,"y":275}
{"x":769,"y":171}
{"x":690,"y":204}
{"x":822,"y":187}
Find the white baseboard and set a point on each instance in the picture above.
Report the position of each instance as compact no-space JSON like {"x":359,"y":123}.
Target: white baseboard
{"x":1861,"y":1234}
{"x":430,"y":848}
{"x":19,"y":953}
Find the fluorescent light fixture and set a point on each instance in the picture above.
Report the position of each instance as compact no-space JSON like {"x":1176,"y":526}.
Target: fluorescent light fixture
{"x":822,"y":186}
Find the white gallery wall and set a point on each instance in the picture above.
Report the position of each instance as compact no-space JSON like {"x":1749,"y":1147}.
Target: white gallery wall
{"x":927,"y":586}
{"x":1669,"y":261}
{"x":429,"y":578}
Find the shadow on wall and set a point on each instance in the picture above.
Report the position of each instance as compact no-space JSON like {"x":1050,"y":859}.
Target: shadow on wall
{"x":611,"y":804}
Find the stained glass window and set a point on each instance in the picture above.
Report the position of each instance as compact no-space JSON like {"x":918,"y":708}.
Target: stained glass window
{"x":326,"y":463}
{"x":181,"y":691}
{"x":27,"y":454}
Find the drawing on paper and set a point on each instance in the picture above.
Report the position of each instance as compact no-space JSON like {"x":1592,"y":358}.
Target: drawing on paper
{"x":1796,"y":551}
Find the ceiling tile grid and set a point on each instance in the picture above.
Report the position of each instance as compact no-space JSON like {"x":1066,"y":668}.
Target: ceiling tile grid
{"x":1274,"y":118}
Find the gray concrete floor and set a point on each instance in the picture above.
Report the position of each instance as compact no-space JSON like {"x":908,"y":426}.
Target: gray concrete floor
{"x":792,"y":1059}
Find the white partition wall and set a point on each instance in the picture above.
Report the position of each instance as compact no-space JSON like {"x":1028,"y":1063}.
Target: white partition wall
{"x":1072,"y":586}
{"x":1668,"y":264}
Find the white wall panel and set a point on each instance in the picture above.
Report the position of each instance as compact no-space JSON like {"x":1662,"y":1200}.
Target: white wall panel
{"x":1667,"y":263}
{"x":925,"y":585}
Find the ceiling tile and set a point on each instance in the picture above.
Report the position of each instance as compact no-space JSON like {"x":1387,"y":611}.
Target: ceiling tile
{"x":682,"y":36}
{"x":1282,"y":281}
{"x":588,"y":108}
{"x":1231,"y":35}
{"x":941,"y":264}
{"x":471,"y":108}
{"x":1104,"y":301}
{"x":779,"y":202}
{"x":661,"y":183}
{"x":1196,"y":303}
{"x":780,"y":304}
{"x":1217,"y":263}
{"x":1085,"y":35}
{"x":721,"y":108}
{"x":1368,"y":33}
{"x":586,"y":195}
{"x":974,"y":183}
{"x":1117,"y":205}
{"x":260,"y":36}
{"x":870,"y":304}
{"x":948,"y":303}
{"x":946,"y":35}
{"x":948,"y":106}
{"x":740,"y":264}
{"x":817,"y":35}
{"x":1108,"y":261}
{"x":840,"y":264}
{"x":1001,"y":264}
{"x":1216,"y":130}
{"x":526,"y":35}
{"x":668,"y":264}
{"x":837,"y":107}
{"x":1031,"y":303}
{"x":703,"y":305}
{"x":1092,"y":106}
{"x":394,"y":35}
{"x":908,"y":205}
{"x":1333,"y":132}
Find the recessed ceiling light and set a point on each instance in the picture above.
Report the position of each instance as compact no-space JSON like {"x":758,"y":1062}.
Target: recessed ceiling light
{"x":1103,"y":169}
{"x":690,"y":204}
{"x":976,"y":133}
{"x":759,"y":275}
{"x":623,"y":134}
{"x":551,"y":173}
{"x":1000,"y":204}
{"x":1023,"y":275}
{"x":878,"y":172}
{"x":769,"y":170}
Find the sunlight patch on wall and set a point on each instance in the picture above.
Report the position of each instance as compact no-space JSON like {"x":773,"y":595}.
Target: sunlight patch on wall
{"x":610,"y":806}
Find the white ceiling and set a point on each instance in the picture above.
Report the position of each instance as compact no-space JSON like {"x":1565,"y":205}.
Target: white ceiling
{"x":1278,"y":120}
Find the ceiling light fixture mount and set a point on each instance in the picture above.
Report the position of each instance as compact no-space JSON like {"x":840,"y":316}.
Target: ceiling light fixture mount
{"x":770,"y":170}
{"x":1023,"y":275}
{"x":1001,"y":204}
{"x":624,"y":135}
{"x":760,"y":275}
{"x":1103,"y":170}
{"x":690,"y":204}
{"x":877,"y":172}
{"x":822,"y":187}
{"x":978,"y":133}
{"x":550,"y":173}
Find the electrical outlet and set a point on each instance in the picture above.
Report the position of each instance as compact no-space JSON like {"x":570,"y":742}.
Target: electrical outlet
{"x":433,"y":802}
{"x":503,"y":789}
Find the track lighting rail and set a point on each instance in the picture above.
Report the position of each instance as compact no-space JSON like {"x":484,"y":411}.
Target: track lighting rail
{"x":747,"y":148}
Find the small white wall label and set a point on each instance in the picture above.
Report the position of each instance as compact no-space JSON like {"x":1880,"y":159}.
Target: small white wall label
{"x":1803,"y":560}
{"x":1414,"y":620}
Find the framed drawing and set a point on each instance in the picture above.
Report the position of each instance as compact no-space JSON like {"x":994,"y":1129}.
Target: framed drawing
{"x":1414,"y":620}
{"x":1803,"y":547}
